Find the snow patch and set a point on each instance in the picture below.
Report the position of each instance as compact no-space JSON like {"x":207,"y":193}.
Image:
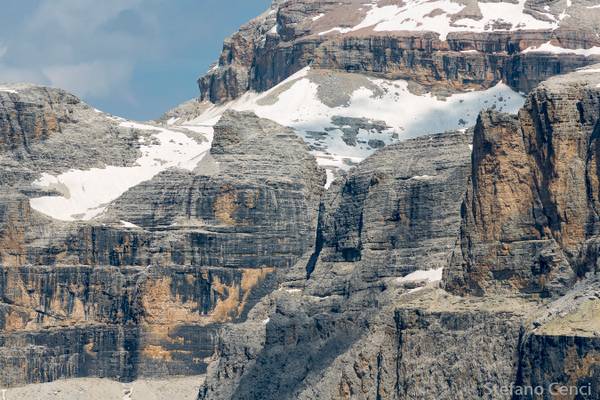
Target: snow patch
{"x":423,"y":177}
{"x":318,"y":17}
{"x":330,"y":178}
{"x":295,"y":102}
{"x":172,"y":120}
{"x":127,"y":224}
{"x":436,"y":16}
{"x":337,"y":29}
{"x":87,"y":193}
{"x":7,"y":90}
{"x":430,"y":276}
{"x":550,"y":48}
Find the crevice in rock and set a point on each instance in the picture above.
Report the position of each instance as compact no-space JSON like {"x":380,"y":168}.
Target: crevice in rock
{"x":593,"y":147}
{"x":379,"y":361}
{"x":319,"y":242}
{"x":399,"y":344}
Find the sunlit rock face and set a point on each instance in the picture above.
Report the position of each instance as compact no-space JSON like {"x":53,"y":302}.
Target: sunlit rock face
{"x":456,"y":45}
{"x":530,"y":221}
{"x":351,"y":77}
{"x":370,"y":314}
{"x":369,"y":201}
{"x":123,"y":258}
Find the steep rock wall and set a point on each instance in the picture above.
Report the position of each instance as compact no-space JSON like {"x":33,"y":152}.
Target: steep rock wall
{"x":291,"y":36}
{"x":530,"y":211}
{"x":200,"y":248}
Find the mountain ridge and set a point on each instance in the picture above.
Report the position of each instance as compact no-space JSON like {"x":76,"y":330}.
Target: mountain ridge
{"x":411,"y":228}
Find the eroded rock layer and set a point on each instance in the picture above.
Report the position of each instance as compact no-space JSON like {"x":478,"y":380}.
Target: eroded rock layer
{"x":351,"y":36}
{"x":331,"y":324}
{"x":142,"y":289}
{"x":230,"y":258}
{"x":362,"y":318}
{"x":530,"y":221}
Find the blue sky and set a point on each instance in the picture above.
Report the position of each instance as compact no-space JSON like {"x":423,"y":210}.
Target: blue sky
{"x":133,"y":58}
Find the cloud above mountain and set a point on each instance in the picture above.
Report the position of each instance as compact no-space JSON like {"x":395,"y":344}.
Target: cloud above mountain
{"x":70,"y":44}
{"x":117,"y":54}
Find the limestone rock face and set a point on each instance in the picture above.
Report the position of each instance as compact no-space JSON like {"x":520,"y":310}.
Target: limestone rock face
{"x":529,"y":217}
{"x":47,"y":129}
{"x":251,"y":203}
{"x":362,"y":317}
{"x":142,"y":289}
{"x":376,"y":39}
{"x":562,"y":349}
{"x":329,"y":331}
{"x":31,"y":118}
{"x":453,"y":265}
{"x":397,"y":210}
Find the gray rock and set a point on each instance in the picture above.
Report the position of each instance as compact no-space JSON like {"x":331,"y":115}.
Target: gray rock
{"x":343,"y":324}
{"x":279,"y":43}
{"x":102,"y":299}
{"x":394,"y":213}
{"x":529,"y":217}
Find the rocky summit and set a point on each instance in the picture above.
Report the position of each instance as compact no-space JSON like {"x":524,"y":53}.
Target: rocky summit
{"x":384,"y":200}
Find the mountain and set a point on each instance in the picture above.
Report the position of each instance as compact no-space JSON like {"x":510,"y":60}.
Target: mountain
{"x":384,"y":200}
{"x":443,"y":272}
{"x":466,"y":44}
{"x":351,"y":77}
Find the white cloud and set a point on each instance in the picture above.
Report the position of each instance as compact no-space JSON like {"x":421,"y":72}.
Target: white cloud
{"x":96,"y":79}
{"x":12,"y":74}
{"x":77,"y":16}
{"x":87,"y":47}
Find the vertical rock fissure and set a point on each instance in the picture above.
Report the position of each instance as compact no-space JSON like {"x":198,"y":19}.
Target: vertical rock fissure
{"x":399,"y":343}
{"x":379,"y":361}
{"x":519,"y":375}
{"x":319,"y":242}
{"x":593,"y":147}
{"x":545,"y":164}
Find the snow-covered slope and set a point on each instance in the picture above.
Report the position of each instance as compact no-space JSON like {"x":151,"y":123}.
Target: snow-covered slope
{"x":444,"y":16}
{"x":419,"y":40}
{"x":346,"y":117}
{"x":548,"y":47}
{"x":87,"y":192}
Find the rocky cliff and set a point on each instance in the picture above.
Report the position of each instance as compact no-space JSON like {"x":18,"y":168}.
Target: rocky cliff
{"x":140,"y":289}
{"x":359,"y":76}
{"x":460,"y":46}
{"x":364,"y":318}
{"x":393,"y":216}
{"x":530,"y":212}
{"x":361,"y":206}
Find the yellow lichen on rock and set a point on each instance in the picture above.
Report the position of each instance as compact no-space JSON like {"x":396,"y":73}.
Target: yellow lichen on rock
{"x":163,"y":307}
{"x":157,"y":353}
{"x":234,"y":304}
{"x":14,"y":322}
{"x":228,"y":302}
{"x":578,"y":368}
{"x":12,"y":235}
{"x":225,"y":205}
